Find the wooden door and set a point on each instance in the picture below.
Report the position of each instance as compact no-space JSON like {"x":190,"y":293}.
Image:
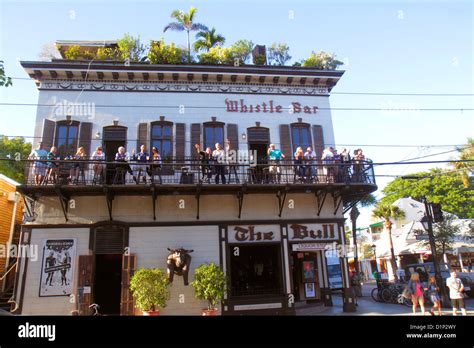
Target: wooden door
{"x":127,"y":306}
{"x":86,"y":264}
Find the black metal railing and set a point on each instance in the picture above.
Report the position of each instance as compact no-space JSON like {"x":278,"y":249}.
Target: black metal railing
{"x":193,"y":171}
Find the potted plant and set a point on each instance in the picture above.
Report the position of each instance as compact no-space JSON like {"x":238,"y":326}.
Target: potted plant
{"x":209,"y":284}
{"x":150,"y":290}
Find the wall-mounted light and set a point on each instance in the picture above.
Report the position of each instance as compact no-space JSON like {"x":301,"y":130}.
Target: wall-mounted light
{"x":97,"y":135}
{"x":244,"y":136}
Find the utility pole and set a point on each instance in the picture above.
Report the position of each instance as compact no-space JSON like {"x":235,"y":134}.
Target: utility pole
{"x":439,"y":280}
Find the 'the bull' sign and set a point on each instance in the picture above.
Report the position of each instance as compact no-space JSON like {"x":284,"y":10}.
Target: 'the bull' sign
{"x":314,"y":232}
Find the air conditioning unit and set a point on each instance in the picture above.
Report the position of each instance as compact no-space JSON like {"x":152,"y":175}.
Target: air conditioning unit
{"x":13,"y":197}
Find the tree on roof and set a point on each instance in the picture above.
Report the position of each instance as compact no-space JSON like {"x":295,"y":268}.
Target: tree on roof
{"x":185,"y":22}
{"x":208,"y":40}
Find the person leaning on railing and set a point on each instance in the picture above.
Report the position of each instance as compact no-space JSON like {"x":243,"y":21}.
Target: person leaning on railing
{"x":123,"y":167}
{"x":310,"y":161}
{"x":39,"y":167}
{"x":299,"y":163}
{"x":218,"y":155}
{"x":141,"y":158}
{"x":52,"y":165}
{"x":155,"y":166}
{"x":344,"y":171}
{"x":98,"y":168}
{"x":275,"y":156}
{"x":78,"y":165}
{"x":358,"y":161}
{"x":204,"y":159}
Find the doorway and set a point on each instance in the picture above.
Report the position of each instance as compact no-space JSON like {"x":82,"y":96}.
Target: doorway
{"x":114,"y":137}
{"x":258,"y":140}
{"x":306,"y":283}
{"x":108,"y":283}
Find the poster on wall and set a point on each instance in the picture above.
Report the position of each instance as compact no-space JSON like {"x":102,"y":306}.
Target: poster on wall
{"x":308,"y":272}
{"x":57,"y":267}
{"x":310,"y":290}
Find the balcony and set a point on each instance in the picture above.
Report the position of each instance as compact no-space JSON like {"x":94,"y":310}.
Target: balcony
{"x":347,"y":183}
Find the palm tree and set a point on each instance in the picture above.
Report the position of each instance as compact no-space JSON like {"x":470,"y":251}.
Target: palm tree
{"x":207,"y":40}
{"x":184,"y":22}
{"x":366,"y":201}
{"x":387,"y":212}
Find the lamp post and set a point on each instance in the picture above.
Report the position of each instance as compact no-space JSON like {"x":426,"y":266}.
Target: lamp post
{"x":427,"y":223}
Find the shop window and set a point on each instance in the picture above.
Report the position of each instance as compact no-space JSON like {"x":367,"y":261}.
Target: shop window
{"x":256,"y":271}
{"x":300,"y":136}
{"x":66,"y":137}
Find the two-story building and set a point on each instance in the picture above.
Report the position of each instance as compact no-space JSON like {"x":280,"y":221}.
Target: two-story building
{"x":268,"y":226}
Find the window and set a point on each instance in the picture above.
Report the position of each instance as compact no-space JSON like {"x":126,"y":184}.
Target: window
{"x":162,"y":138}
{"x":256,"y":271}
{"x":300,"y":136}
{"x":66,"y":137}
{"x":213,"y":133}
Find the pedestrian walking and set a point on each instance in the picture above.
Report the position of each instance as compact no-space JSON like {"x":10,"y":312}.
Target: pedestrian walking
{"x":416,"y":291}
{"x":433,"y":292}
{"x":456,"y":290}
{"x":356,"y":284}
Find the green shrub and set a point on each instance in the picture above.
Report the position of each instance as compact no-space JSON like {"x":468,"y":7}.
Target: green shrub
{"x":209,"y":284}
{"x":150,"y":289}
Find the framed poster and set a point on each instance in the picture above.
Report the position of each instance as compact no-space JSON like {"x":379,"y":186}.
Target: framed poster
{"x":57,"y":267}
{"x":308,"y":272}
{"x":309,"y":290}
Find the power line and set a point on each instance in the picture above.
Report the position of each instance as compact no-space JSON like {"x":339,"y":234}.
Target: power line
{"x":435,"y":154}
{"x":363,"y":93}
{"x":182,"y":106}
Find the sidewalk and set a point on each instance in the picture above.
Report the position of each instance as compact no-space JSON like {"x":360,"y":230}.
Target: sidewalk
{"x":367,"y":306}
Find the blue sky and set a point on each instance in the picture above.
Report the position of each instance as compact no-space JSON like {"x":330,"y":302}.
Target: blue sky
{"x":387,"y":46}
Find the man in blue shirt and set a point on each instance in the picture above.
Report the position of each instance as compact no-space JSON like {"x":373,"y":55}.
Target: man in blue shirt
{"x":274,"y":156}
{"x":142,"y":157}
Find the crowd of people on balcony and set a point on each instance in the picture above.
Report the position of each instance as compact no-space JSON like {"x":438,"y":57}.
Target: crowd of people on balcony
{"x":305,"y":166}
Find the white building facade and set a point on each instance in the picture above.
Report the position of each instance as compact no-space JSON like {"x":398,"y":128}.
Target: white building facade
{"x":268,"y":233}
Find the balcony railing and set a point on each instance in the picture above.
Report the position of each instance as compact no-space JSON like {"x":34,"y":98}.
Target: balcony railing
{"x":193,"y":171}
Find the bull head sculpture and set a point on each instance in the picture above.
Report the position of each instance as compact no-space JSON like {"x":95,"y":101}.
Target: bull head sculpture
{"x":178,"y":263}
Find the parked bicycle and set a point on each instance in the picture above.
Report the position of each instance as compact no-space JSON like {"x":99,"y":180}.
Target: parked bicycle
{"x":390,"y":293}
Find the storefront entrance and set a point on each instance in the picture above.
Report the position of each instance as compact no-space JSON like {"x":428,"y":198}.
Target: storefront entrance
{"x":256,"y":270}
{"x":305,"y":271}
{"x":107,"y":283}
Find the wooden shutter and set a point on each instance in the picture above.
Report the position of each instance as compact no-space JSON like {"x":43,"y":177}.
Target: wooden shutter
{"x":285,"y":141}
{"x":85,"y":137}
{"x":233,"y":136}
{"x":47,"y":138}
{"x":318,"y":140}
{"x":86,"y":263}
{"x":180,"y":131}
{"x":195,"y":139}
{"x":142,"y":135}
{"x":127,"y":306}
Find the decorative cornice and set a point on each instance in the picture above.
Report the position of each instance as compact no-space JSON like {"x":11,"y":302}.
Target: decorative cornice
{"x":180,"y":86}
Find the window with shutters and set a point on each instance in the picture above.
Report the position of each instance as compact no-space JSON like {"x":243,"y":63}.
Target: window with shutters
{"x":67,"y":133}
{"x":213,"y":133}
{"x":162,"y":138}
{"x":300,"y":136}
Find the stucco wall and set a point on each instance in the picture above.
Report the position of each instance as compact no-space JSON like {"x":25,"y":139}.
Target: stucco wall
{"x":150,"y":245}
